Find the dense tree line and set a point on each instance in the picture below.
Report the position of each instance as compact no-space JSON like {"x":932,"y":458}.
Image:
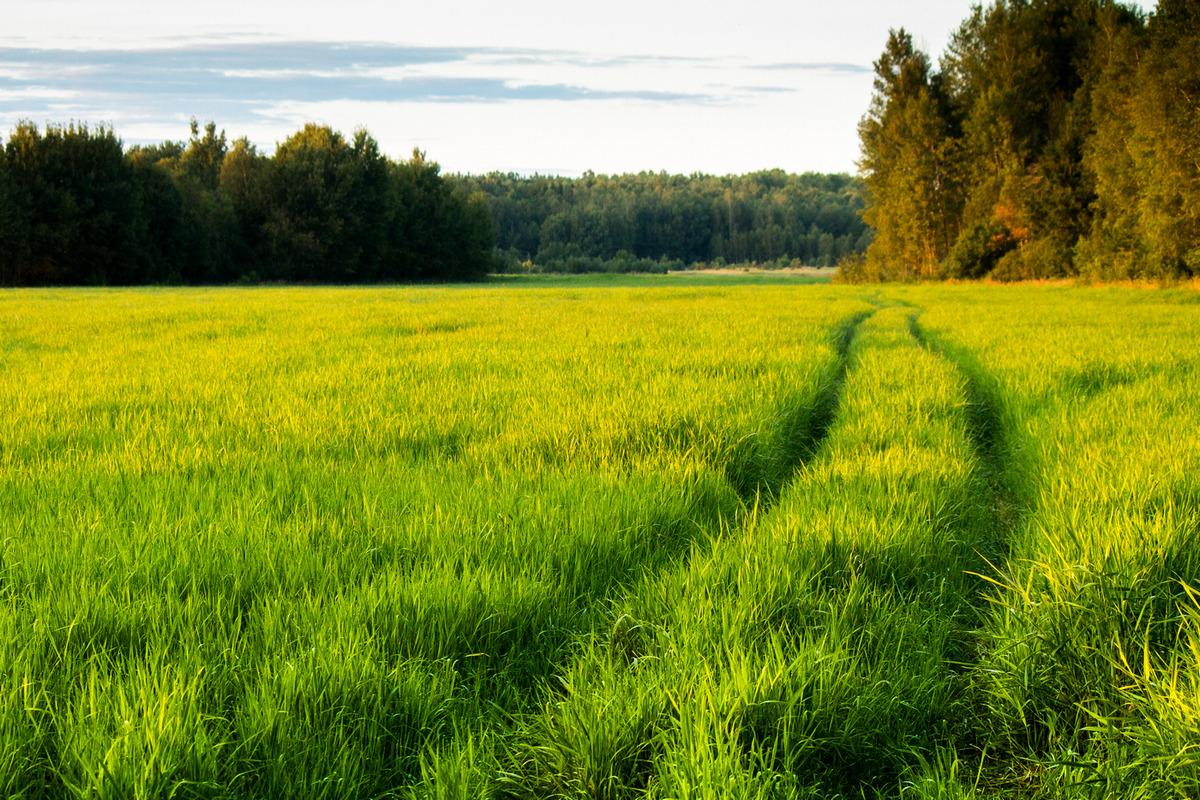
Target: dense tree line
{"x":637,"y":221}
{"x":1058,"y":138}
{"x":77,"y":208}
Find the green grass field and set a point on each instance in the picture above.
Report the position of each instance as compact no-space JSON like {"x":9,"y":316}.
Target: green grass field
{"x":688,"y":537}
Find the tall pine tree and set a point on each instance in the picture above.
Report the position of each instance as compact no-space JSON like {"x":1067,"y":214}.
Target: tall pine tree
{"x":909,"y":165}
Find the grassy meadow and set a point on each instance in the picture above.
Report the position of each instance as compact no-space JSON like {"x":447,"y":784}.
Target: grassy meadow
{"x":693,"y":537}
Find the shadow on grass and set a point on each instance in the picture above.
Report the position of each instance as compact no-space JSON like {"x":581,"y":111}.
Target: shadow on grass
{"x":760,"y":468}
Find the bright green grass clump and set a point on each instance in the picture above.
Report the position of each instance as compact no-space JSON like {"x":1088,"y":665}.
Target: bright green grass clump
{"x":584,"y":541}
{"x":1090,"y":660}
{"x":812,"y":652}
{"x":266,"y":543}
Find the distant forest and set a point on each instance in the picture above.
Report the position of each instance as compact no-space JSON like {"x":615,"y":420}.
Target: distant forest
{"x":77,"y":208}
{"x":652,"y":221}
{"x":1058,"y":138}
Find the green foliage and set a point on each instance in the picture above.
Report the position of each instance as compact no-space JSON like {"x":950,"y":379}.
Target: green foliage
{"x":584,"y":224}
{"x":908,"y":166}
{"x":437,"y":230}
{"x":1021,"y":76}
{"x":1062,"y":129}
{"x":313,"y":185}
{"x":73,"y":197}
{"x":977,"y":250}
{"x":246,"y":180}
{"x":323,"y":209}
{"x":160,"y":225}
{"x":1149,"y":197}
{"x":11,"y":211}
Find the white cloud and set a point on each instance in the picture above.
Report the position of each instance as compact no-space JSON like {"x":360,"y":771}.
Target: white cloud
{"x":526,"y":85}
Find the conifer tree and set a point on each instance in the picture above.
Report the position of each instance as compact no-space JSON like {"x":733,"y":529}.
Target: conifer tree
{"x":1166,"y":140}
{"x":909,"y":165}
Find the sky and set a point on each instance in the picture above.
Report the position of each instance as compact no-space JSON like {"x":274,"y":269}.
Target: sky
{"x":526,"y":86}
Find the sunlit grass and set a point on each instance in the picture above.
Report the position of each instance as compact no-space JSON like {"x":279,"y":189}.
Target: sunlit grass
{"x":1089,"y":652}
{"x":812,"y":651}
{"x":278,"y":542}
{"x":575,"y":540}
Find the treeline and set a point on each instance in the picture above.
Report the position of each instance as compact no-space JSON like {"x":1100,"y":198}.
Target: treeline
{"x":651,"y":220}
{"x":78,"y":208}
{"x":1058,"y":138}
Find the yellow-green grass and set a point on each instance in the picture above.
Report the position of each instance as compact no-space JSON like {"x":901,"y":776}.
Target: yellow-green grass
{"x":282,"y":542}
{"x":578,"y":540}
{"x":1089,"y":669}
{"x":816,"y":651}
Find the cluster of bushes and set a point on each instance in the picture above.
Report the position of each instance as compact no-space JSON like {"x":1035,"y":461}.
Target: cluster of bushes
{"x":641,"y":222}
{"x":78,"y":208}
{"x":510,"y":261}
{"x":1059,"y":138}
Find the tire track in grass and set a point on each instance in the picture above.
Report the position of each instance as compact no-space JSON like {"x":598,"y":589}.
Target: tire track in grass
{"x":817,"y":650}
{"x":1087,"y":674}
{"x":897,"y":499}
{"x":826,"y":643}
{"x":850,"y":598}
{"x":994,"y":445}
{"x":998,"y":453}
{"x":578,"y":749}
{"x":759,"y":470}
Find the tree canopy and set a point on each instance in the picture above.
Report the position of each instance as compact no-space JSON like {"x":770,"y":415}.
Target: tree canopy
{"x":566,"y":224}
{"x":1058,"y":138}
{"x":76,"y":208}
